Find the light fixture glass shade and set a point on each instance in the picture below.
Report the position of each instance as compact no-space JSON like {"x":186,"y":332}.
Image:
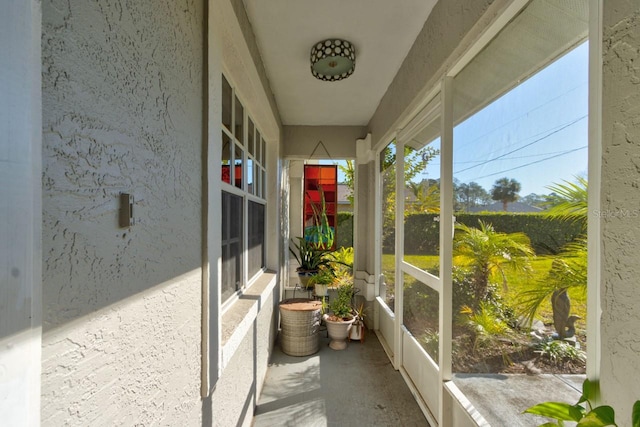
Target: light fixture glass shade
{"x":333,"y":60}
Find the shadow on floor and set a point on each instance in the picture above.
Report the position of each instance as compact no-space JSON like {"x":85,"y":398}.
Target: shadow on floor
{"x":354,"y":387}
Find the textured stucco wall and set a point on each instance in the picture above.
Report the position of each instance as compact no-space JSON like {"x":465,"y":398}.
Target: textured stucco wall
{"x":620,"y":210}
{"x":122,"y":111}
{"x":442,"y":34}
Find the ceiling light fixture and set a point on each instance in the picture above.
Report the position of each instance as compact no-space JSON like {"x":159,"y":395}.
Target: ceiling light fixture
{"x":333,"y":60}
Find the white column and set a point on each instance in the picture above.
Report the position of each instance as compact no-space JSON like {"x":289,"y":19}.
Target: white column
{"x":21,"y":213}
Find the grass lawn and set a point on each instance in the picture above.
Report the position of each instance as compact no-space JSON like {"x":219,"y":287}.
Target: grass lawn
{"x":516,"y":283}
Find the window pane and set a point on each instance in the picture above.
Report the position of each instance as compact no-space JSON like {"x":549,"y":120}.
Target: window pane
{"x":256,"y":238}
{"x":251,"y":139}
{"x":263,"y":153}
{"x":422,"y":199}
{"x":250,"y":178}
{"x":421,"y":307}
{"x":388,"y":168}
{"x":239,"y":119}
{"x":264,"y":184}
{"x":258,"y":181}
{"x":520,"y":109}
{"x":226,"y":158}
{"x":227,"y":100}
{"x":231,"y":244}
{"x":238,"y":172}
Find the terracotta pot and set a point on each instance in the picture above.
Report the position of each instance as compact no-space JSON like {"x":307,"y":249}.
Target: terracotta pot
{"x":338,"y":332}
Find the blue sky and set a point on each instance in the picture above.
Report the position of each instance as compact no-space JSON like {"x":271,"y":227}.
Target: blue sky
{"x":535,"y":134}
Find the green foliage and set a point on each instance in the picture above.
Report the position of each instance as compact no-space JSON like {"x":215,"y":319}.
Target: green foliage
{"x":349,"y":177}
{"x":568,"y":271}
{"x":559,"y":352}
{"x":430,"y":341}
{"x":415,"y":162}
{"x":469,"y":195}
{"x":505,"y":190}
{"x":308,"y":255}
{"x":569,"y":200}
{"x":583,"y":415}
{"x":343,"y":260}
{"x":321,"y":235}
{"x":344,"y":232}
{"x":547,"y":234}
{"x":486,"y":323}
{"x":341,"y":305}
{"x":487,"y":253}
{"x":324,"y":277}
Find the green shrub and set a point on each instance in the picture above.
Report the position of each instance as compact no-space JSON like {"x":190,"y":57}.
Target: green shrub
{"x":344,"y":232}
{"x":547,"y":234}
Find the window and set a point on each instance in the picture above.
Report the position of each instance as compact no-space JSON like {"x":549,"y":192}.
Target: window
{"x":231,"y":244}
{"x":243,"y":177}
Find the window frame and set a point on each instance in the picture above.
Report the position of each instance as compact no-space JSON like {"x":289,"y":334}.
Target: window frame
{"x":255,"y":194}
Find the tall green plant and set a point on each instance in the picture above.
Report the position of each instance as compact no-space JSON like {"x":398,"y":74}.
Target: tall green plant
{"x":487,"y":252}
{"x":320,"y":234}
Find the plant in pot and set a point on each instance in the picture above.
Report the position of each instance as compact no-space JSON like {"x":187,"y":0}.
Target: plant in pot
{"x":321,"y":281}
{"x":310,"y":259}
{"x":341,"y":318}
{"x":358,"y":327}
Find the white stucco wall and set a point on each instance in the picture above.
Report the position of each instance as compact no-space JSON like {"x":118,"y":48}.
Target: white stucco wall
{"x":122,"y":112}
{"x":620,"y":208}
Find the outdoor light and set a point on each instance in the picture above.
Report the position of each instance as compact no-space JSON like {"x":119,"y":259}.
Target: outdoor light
{"x":333,"y":60}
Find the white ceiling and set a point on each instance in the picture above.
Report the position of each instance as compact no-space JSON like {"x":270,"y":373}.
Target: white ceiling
{"x":382,"y":32}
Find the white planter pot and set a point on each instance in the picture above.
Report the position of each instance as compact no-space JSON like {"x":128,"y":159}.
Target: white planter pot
{"x":322,"y":290}
{"x":338,"y":332}
{"x":357,"y":331}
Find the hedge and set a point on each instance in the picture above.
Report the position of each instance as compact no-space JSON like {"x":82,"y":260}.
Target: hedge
{"x":547,"y":234}
{"x":344,"y":233}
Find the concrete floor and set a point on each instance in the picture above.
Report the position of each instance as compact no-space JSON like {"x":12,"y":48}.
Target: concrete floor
{"x":501,"y":399}
{"x":354,"y":387}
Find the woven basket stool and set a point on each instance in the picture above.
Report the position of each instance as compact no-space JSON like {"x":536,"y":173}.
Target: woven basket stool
{"x":300,"y":322}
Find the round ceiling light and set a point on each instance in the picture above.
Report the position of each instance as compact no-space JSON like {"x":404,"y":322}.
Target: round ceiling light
{"x":333,"y":60}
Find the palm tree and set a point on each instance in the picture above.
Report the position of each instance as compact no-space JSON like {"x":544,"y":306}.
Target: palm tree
{"x":568,"y":271}
{"x":505,"y":190}
{"x":488,"y":252}
{"x":569,"y":201}
{"x":569,"y":268}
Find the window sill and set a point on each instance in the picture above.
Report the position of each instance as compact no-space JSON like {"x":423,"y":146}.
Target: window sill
{"x":238,"y":319}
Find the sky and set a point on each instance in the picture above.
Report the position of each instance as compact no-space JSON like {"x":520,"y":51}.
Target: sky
{"x":536,"y":134}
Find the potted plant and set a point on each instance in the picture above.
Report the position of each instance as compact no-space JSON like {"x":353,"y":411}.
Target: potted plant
{"x":358,"y":327}
{"x":321,"y":281}
{"x":310,"y":259}
{"x":341,"y":318}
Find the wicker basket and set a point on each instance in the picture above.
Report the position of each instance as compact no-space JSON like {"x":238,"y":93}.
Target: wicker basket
{"x":300,"y":322}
